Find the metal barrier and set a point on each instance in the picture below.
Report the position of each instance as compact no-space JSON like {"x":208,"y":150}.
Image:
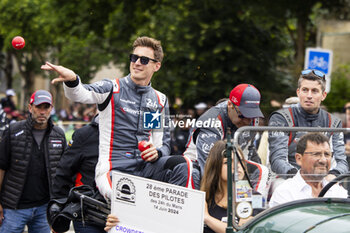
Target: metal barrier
{"x":231,"y":210}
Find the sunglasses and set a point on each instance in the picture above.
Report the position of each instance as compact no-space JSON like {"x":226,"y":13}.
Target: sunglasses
{"x":238,"y":113}
{"x":144,"y":60}
{"x":318,"y":73}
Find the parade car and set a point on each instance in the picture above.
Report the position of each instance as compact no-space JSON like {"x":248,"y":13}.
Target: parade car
{"x":312,"y":215}
{"x":308,"y":215}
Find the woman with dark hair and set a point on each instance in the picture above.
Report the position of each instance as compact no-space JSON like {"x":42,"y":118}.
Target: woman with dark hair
{"x":214,"y":184}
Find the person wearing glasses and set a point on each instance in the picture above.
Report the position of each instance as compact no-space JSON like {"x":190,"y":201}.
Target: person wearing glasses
{"x":241,"y":109}
{"x":314,"y":156}
{"x":308,"y":113}
{"x":124,"y":105}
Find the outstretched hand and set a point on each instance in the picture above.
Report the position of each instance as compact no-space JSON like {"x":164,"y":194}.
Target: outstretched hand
{"x":65,"y":74}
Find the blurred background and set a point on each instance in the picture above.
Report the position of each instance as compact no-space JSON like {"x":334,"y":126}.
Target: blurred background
{"x":210,"y":46}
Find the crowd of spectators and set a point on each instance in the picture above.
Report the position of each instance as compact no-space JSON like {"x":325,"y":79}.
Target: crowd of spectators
{"x":77,"y":115}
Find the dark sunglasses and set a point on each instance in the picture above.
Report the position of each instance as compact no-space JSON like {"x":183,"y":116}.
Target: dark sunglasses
{"x":144,"y":60}
{"x":318,"y":73}
{"x":239,"y":114}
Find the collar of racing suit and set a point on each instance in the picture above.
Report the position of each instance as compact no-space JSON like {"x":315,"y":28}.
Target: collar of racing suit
{"x":307,"y":116}
{"x":137,"y":88}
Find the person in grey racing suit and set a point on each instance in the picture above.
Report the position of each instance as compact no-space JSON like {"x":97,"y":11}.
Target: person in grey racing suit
{"x":308,"y":113}
{"x":241,"y":109}
{"x":130,"y":111}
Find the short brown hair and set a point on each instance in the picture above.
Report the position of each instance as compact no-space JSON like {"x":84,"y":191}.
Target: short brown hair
{"x":313,"y":77}
{"x":317,"y":138}
{"x":149,"y":42}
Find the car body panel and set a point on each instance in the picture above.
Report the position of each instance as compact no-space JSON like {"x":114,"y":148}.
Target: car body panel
{"x":308,"y":215}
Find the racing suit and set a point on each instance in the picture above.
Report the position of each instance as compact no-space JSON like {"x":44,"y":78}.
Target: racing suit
{"x":211,"y":127}
{"x":124,"y":107}
{"x":282,"y":152}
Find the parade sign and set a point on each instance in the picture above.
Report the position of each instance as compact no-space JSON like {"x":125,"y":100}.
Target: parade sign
{"x":148,"y":206}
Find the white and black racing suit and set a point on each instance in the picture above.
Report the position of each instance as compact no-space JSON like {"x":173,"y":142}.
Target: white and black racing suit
{"x":122,"y":105}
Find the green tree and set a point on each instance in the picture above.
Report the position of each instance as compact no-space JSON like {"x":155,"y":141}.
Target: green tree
{"x":298,"y":19}
{"x":24,"y":18}
{"x":66,"y":36}
{"x":212,"y":46}
{"x":79,"y":41}
{"x":340,"y":90}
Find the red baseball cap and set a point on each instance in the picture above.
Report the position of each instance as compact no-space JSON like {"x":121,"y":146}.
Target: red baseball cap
{"x":247,"y":98}
{"x":40,"y":97}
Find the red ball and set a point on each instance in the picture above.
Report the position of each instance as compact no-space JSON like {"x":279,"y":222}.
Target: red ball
{"x":18,"y":42}
{"x":142,"y":146}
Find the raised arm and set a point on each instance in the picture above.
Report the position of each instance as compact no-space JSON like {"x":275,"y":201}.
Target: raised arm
{"x":65,"y":74}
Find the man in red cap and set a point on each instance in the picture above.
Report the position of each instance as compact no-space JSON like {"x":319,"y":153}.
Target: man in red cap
{"x":30,"y":152}
{"x":239,"y":110}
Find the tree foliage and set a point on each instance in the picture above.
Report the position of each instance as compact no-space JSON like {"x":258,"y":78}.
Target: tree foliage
{"x":24,"y":18}
{"x":210,"y":46}
{"x":340,"y":89}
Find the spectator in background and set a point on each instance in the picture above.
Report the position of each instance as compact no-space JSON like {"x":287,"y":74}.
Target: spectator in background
{"x":30,"y":151}
{"x":4,"y":121}
{"x":290,"y":101}
{"x":313,"y":155}
{"x":191,"y":112}
{"x":9,"y":115}
{"x":308,"y":113}
{"x":180,"y":134}
{"x":89,"y":111}
{"x":200,"y":109}
{"x":7,"y":102}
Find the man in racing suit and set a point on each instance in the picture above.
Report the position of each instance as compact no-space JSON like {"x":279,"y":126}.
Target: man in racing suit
{"x":130,"y":111}
{"x":282,"y":145}
{"x":238,"y":111}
